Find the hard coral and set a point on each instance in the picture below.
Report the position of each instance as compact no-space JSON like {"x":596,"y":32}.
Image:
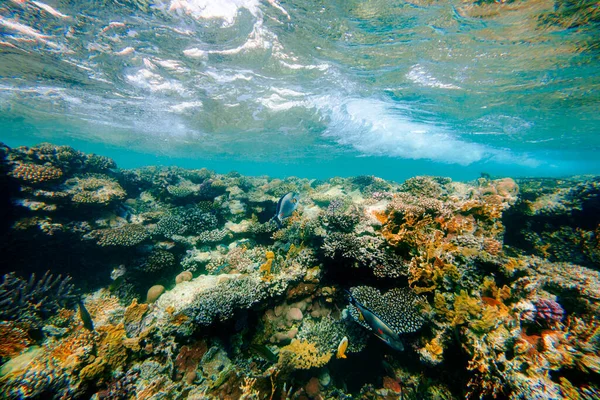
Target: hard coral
{"x":14,"y":339}
{"x":127,"y":235}
{"x":94,"y":189}
{"x":31,"y":301}
{"x":301,"y":354}
{"x":35,"y":174}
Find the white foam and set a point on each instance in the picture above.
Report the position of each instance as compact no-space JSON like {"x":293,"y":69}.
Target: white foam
{"x":50,"y":10}
{"x":418,"y":74}
{"x":23,"y":29}
{"x":226,"y":10}
{"x":185,"y":106}
{"x":154,"y":82}
{"x":375,"y":127}
{"x":278,"y":103}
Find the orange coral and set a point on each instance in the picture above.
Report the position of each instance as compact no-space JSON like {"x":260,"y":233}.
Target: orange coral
{"x":267,"y":266}
{"x":14,"y":339}
{"x":134,"y":314}
{"x":33,"y":173}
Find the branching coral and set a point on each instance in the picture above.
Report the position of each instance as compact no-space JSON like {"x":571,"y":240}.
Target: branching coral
{"x":31,"y":301}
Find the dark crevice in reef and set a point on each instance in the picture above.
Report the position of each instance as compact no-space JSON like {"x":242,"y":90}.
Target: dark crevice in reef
{"x":194,"y":292}
{"x":557,"y":219}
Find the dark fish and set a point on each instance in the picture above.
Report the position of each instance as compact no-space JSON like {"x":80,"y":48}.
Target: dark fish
{"x":85,"y":317}
{"x":286,"y":205}
{"x":264,"y":352}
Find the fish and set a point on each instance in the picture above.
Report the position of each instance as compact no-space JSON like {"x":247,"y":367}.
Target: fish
{"x":341,"y":350}
{"x":372,"y":322}
{"x":387,"y":316}
{"x":286,"y":205}
{"x":85,"y":316}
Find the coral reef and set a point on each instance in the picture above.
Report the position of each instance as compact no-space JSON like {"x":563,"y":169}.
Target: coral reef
{"x":490,"y":287}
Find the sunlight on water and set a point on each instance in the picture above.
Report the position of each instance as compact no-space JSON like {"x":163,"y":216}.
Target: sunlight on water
{"x":485,"y":84}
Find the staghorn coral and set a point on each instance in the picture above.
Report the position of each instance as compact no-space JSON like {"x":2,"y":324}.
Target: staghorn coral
{"x":213,"y":236}
{"x":520,"y":324}
{"x":170,"y":225}
{"x":211,"y":297}
{"x":64,"y":158}
{"x":183,"y":188}
{"x":31,"y":301}
{"x":341,"y":215}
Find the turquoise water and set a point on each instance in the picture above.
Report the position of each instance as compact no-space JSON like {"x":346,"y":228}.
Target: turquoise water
{"x":308,"y":88}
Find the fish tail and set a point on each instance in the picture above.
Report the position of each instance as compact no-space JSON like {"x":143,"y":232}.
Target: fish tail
{"x":276,"y":219}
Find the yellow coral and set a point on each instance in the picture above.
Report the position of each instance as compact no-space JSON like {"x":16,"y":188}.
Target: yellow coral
{"x":302,"y":354}
{"x":111,"y":346}
{"x":93,"y":370}
{"x":134,"y":313}
{"x":434,"y":350}
{"x":267,"y":266}
{"x":464,"y":307}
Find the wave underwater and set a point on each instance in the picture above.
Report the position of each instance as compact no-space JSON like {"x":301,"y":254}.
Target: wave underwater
{"x":508,"y":88}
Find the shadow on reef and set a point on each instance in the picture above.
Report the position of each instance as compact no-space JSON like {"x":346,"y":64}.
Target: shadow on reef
{"x":557,"y":219}
{"x":193,"y":292}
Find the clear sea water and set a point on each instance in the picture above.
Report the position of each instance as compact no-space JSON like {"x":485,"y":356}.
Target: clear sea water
{"x":309,"y":88}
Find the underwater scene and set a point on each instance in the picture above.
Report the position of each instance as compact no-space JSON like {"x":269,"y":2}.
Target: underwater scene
{"x":299,"y":199}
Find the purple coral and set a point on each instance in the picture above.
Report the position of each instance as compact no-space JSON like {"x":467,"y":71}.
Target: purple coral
{"x":548,"y":312}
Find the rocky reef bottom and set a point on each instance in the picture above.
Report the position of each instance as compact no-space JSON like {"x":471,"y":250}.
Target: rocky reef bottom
{"x":169,"y":283}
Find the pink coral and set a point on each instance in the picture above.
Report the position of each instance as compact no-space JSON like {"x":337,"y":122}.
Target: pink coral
{"x":548,"y":312}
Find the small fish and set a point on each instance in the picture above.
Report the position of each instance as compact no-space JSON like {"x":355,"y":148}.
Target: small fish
{"x":264,"y":352}
{"x":286,"y":205}
{"x":341,"y":350}
{"x":118,"y":272}
{"x":85,"y":317}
